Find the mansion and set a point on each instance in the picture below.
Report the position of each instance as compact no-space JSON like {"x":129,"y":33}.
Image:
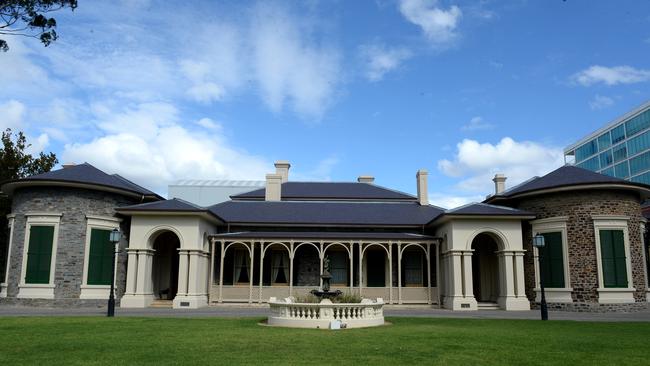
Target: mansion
{"x":380,"y":243}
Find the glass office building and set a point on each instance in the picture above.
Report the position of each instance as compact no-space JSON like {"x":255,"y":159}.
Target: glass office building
{"x":620,"y":149}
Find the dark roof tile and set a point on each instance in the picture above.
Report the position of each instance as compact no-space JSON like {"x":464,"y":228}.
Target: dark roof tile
{"x":330,"y":190}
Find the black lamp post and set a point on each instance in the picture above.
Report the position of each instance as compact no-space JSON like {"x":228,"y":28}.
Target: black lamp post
{"x":114,"y":238}
{"x":538,"y":242}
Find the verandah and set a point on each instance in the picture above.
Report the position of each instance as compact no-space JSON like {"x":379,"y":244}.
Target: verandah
{"x":248,"y":269}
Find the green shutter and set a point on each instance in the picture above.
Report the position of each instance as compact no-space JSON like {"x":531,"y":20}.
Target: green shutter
{"x":39,"y":254}
{"x":100,"y":258}
{"x":612,"y":252}
{"x":552,"y":260}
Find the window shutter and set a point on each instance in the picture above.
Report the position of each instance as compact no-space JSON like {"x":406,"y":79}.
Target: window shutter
{"x":612,"y":251}
{"x":39,"y":254}
{"x":100,"y":258}
{"x":552,"y":262}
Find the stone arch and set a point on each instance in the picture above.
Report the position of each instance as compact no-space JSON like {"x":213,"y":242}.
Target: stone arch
{"x":154,"y":232}
{"x":307,"y":265}
{"x":165,"y":264}
{"x":486,"y":271}
{"x":498,"y":236}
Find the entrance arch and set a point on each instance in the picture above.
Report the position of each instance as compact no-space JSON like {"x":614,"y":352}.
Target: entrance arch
{"x":165,"y":265}
{"x":485,"y":268}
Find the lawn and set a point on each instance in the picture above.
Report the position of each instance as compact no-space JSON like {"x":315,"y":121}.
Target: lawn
{"x":99,"y":341}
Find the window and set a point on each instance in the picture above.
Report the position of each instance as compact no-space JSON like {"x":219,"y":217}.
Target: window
{"x":339,"y":267}
{"x":621,"y":170}
{"x":640,"y":163}
{"x":586,"y":150}
{"x":604,"y":141}
{"x":638,"y":123}
{"x":609,"y":171}
{"x":639,"y":143}
{"x":100,"y":261}
{"x":279,"y":267}
{"x":612,"y":251}
{"x":613,"y":259}
{"x":620,"y":153}
{"x":39,"y":254}
{"x":591,"y":164}
{"x":242,"y":264}
{"x":642,"y":178}
{"x":606,"y":159}
{"x":618,"y":134}
{"x":552,"y":260}
{"x":412,"y":263}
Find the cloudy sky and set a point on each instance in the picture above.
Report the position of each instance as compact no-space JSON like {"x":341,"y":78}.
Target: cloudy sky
{"x":465,"y":89}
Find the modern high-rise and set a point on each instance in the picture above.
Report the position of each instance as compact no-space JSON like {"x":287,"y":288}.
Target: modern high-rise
{"x":620,"y":149}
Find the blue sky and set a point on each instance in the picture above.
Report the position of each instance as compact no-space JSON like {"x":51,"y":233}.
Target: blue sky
{"x":464,"y":89}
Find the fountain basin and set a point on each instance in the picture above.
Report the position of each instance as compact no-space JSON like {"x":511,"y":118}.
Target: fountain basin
{"x":287,"y":313}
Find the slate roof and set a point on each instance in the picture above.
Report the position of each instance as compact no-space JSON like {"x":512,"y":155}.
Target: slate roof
{"x":83,"y":174}
{"x":326,"y":213}
{"x":172,"y":205}
{"x":484,"y":209}
{"x":330,"y":190}
{"x":565,"y":176}
{"x":323,"y":235}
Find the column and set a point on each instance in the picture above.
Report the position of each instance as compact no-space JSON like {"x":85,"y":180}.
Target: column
{"x":252,"y":273}
{"x":507,"y":298}
{"x":261,"y":270}
{"x":399,"y":272}
{"x":144,"y":284}
{"x":351,"y":268}
{"x":469,"y":283}
{"x":429,"y":273}
{"x":211,"y":281}
{"x":454,"y":298}
{"x":320,"y":255}
{"x":193,"y":272}
{"x":520,"y":286}
{"x":438,"y":263}
{"x":222,"y":254}
{"x":390,"y":272}
{"x":131,"y":271}
{"x":183,"y":264}
{"x":508,"y":288}
{"x":360,"y":268}
{"x":291,"y":253}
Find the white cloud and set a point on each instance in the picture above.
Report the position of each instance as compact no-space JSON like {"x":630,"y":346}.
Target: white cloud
{"x":477,"y":124}
{"x":320,"y":172}
{"x":12,"y":114}
{"x":476,"y":163}
{"x":158,"y":149}
{"x":438,"y":24}
{"x":38,"y":144}
{"x":290,"y":68}
{"x":209,"y":124}
{"x":380,"y":59}
{"x":452,"y":201}
{"x":611,"y":75}
{"x":600,"y":102}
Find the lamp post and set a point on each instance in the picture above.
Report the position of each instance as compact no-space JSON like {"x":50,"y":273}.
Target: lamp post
{"x":538,"y":242}
{"x":114,"y":238}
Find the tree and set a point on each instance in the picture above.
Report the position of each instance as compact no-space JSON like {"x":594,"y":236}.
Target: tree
{"x":15,"y":163}
{"x":29,"y":18}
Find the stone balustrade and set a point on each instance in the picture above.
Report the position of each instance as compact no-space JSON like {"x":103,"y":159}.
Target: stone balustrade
{"x":287,"y":313}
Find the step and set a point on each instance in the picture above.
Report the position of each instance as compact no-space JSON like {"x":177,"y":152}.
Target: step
{"x":161,"y":304}
{"x":488,"y":306}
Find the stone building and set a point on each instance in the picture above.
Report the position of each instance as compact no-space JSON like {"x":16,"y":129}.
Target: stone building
{"x":379,"y":243}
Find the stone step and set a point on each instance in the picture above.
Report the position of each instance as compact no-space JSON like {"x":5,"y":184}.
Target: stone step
{"x":161,"y":304}
{"x":488,"y":306}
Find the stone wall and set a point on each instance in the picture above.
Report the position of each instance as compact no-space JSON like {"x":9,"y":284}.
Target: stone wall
{"x":579,"y":206}
{"x":74,"y":204}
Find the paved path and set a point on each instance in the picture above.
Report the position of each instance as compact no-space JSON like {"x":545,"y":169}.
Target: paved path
{"x":262,"y":310}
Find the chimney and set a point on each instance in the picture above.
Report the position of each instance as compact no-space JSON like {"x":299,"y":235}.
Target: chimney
{"x":282,"y":169}
{"x":68,"y":165}
{"x":423,"y":193}
{"x":273,"y":191}
{"x":499,"y":183}
{"x":366,"y":179}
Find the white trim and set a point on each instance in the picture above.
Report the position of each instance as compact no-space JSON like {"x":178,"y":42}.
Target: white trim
{"x":4,"y":285}
{"x":552,"y":225}
{"x":39,"y":291}
{"x":613,"y":295}
{"x":102,"y":223}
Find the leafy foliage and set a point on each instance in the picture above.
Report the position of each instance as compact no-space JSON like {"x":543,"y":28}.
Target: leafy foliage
{"x":29,"y":18}
{"x":15,"y":163}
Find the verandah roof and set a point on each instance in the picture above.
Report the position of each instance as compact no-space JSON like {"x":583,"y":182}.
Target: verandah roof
{"x":324,"y":235}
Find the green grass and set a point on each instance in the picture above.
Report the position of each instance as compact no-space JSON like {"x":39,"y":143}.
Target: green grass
{"x":200,"y":341}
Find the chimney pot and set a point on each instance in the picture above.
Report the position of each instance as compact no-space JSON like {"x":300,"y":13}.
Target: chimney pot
{"x":366,"y":179}
{"x":282,"y":168}
{"x":273,"y":190}
{"x":423,"y":192}
{"x":499,"y":183}
{"x":68,"y":165}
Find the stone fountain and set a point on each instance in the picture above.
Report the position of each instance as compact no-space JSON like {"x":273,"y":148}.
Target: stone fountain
{"x":324,"y":292}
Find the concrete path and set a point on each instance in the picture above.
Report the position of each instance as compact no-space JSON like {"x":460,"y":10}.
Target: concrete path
{"x":262,"y":310}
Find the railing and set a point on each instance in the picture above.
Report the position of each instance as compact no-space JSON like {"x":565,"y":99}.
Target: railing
{"x":321,"y":315}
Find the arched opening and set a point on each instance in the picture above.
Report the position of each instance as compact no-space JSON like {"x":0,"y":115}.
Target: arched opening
{"x":237,"y":265}
{"x":276,"y":265}
{"x":165,"y":266}
{"x":306,"y":263}
{"x":339,"y":261}
{"x":485,"y":268}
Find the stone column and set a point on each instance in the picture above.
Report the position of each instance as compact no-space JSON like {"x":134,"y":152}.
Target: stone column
{"x":131,"y":271}
{"x":468,"y":275}
{"x":428,"y":273}
{"x":455,"y":299}
{"x":399,"y":272}
{"x":507,"y":298}
{"x":520,"y":288}
{"x":262,"y":271}
{"x":183,"y":264}
{"x":141,"y":285}
{"x":194,"y":272}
